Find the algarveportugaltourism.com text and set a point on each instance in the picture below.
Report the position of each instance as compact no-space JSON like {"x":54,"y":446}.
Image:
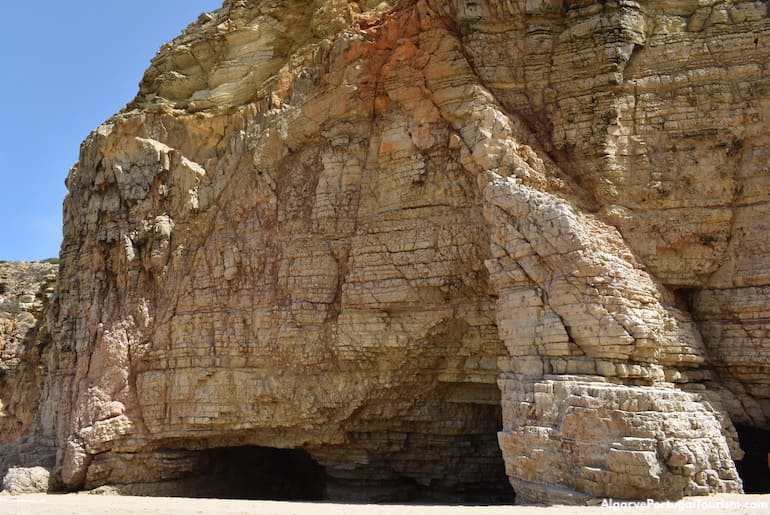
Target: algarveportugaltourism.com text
{"x":685,"y":505}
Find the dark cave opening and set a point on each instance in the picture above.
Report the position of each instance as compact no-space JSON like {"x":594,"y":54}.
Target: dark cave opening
{"x":263,"y":473}
{"x":754,"y":468}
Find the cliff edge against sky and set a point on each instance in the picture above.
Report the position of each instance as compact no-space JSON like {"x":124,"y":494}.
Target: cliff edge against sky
{"x":424,"y":249}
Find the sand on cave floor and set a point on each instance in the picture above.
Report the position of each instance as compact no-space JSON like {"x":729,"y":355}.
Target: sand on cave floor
{"x":86,"y":504}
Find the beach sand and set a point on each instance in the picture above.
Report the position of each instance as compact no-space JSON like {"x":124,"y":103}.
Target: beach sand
{"x":86,"y":504}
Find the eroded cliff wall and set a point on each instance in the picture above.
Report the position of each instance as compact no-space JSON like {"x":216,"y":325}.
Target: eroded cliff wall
{"x":26,"y":290}
{"x":383,"y":232}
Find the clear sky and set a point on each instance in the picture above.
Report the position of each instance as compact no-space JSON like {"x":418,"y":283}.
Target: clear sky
{"x":66,"y":66}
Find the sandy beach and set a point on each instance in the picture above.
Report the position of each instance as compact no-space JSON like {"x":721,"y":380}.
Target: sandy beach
{"x":79,"y":504}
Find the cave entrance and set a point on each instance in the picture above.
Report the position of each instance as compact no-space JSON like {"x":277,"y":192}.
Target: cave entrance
{"x":264,"y":473}
{"x":754,"y":468}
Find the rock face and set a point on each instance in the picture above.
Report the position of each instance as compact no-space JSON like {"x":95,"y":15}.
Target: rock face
{"x":33,"y":480}
{"x":25,"y":293}
{"x":402,"y":237}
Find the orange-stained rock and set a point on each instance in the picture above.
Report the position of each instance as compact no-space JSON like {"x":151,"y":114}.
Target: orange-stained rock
{"x":432,"y":242}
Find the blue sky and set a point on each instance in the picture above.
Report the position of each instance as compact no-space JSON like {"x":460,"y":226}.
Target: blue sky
{"x":66,"y":67}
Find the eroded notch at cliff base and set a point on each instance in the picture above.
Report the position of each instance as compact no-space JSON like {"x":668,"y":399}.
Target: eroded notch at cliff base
{"x":263,"y":473}
{"x":754,"y":468}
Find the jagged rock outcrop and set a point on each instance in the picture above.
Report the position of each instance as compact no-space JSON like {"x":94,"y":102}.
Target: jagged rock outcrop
{"x":379,"y":233}
{"x":26,"y":290}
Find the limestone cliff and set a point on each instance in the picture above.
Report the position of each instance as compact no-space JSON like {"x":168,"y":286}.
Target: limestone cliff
{"x":26,"y":290}
{"x":429,"y":244}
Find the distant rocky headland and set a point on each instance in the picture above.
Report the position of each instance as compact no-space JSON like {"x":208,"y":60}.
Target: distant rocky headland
{"x":417,"y":250}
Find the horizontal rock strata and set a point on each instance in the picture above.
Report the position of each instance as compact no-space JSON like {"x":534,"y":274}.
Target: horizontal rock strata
{"x":437,"y":247}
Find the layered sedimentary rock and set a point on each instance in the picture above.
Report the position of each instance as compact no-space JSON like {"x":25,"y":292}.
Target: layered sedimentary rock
{"x":26,"y":290}
{"x":379,"y":233}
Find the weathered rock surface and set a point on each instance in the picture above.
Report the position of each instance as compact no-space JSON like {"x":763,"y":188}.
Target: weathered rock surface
{"x":32,"y":480}
{"x":379,"y":233}
{"x":25,"y":293}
